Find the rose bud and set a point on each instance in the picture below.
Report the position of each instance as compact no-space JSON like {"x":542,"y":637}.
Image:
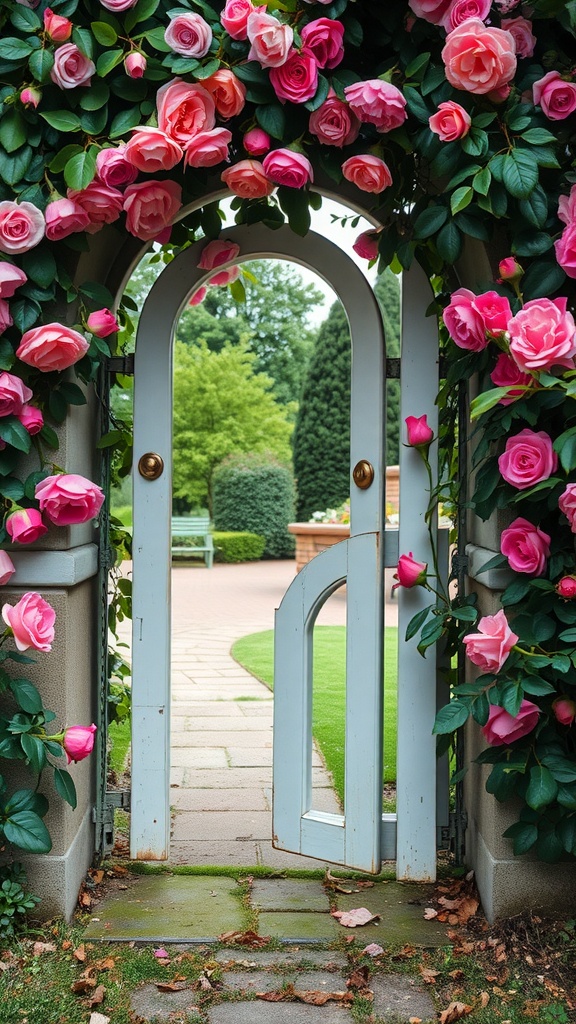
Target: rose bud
{"x":135,"y":65}
{"x":366,"y":245}
{"x":566,"y":588}
{"x":419,"y":433}
{"x":31,"y":418}
{"x":30,"y":97}
{"x":409,"y":572}
{"x":198,"y":296}
{"x":25,"y":526}
{"x":564,"y":710}
{"x":78,"y":741}
{"x":31,"y":622}
{"x":102,"y":323}
{"x":509,"y":269}
{"x":502,"y":728}
{"x":256,"y":142}
{"x":59,"y":29}
{"x":7,"y":568}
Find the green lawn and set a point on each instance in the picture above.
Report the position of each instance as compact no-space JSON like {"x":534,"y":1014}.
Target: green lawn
{"x":255,"y":653}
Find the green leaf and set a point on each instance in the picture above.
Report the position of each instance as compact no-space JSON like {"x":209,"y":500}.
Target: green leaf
{"x":430,"y":221}
{"x":41,"y":63}
{"x":251,"y":73}
{"x":58,"y":162}
{"x":466,"y":613}
{"x":62,"y":120}
{"x":144,"y":9}
{"x":320,"y":95}
{"x":103,"y":33}
{"x":482,"y":180}
{"x":80,"y":169}
{"x":27,"y":830}
{"x":417,"y":621}
{"x":531,"y":243}
{"x":549,"y":847}
{"x":12,"y":488}
{"x":125,"y":121}
{"x":562,"y":768}
{"x":534,"y":210}
{"x":26,"y":20}
{"x":542,"y":278}
{"x":418,"y":64}
{"x":26,"y":695}
{"x":542,"y":788}
{"x":416,"y":104}
{"x":501,"y":782}
{"x":13,"y":433}
{"x":35,"y":751}
{"x":451,"y":717}
{"x":520,"y":173}
{"x":461,"y":198}
{"x":271,"y":117}
{"x":26,"y":800}
{"x":538,"y":136}
{"x":64,"y":785}
{"x":475,"y":143}
{"x":294,"y":203}
{"x":14,"y":49}
{"x":524,"y":834}
{"x":566,"y":830}
{"x":449,"y":243}
{"x":567,"y":796}
{"x":205,"y":70}
{"x":13,"y":130}
{"x":96,"y":96}
{"x":108,"y":61}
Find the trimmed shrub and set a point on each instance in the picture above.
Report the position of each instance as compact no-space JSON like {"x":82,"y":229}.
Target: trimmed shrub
{"x":237,"y":547}
{"x":255,"y":492}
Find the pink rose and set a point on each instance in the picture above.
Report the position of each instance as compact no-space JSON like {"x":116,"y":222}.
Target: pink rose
{"x":102,"y":323}
{"x":495,"y":312}
{"x":31,"y":621}
{"x":479,"y":59}
{"x":556,"y":97}
{"x":101,"y":203}
{"x":527,"y":459}
{"x":566,"y":588}
{"x":198,"y":296}
{"x":31,"y":418}
{"x":135,"y":64}
{"x":57,"y":28}
{"x":521,"y":31}
{"x":234,"y":18}
{"x":256,"y":142}
{"x":543,"y":335}
{"x":21,"y":226}
{"x":247,"y":180}
{"x":51,"y":347}
{"x":63,"y":218}
{"x":297,"y":79}
{"x":334,"y":123}
{"x":462,"y":10}
{"x":151,"y":206}
{"x":271,"y":40}
{"x":113,"y":168}
{"x":567,"y":505}
{"x":25,"y":526}
{"x":68,"y":498}
{"x":565,"y":249}
{"x":208,"y":148}
{"x":367,"y":172}
{"x":419,"y":433}
{"x":464,"y":322}
{"x":78,"y":742}
{"x":13,"y":394}
{"x":184,"y":110}
{"x":567,"y":207}
{"x":502,"y":729}
{"x":430,"y":10}
{"x":409,"y":572}
{"x":71,"y":68}
{"x":5,"y":318}
{"x":225,"y":277}
{"x":526,"y":547}
{"x":564,"y":710}
{"x":366,"y":245}
{"x":11,"y":278}
{"x":286,"y":167}
{"x":490,"y":647}
{"x":189,"y":35}
{"x":227,"y":91}
{"x":450,"y":122}
{"x":118,"y":5}
{"x":509,"y":269}
{"x":30,"y":97}
{"x":324,"y":39}
{"x":217,"y":252}
{"x":7,"y":568}
{"x":378,"y":103}
{"x":506,"y":374}
{"x":151,"y":150}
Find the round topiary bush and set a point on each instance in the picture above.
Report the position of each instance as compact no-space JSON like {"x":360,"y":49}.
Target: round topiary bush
{"x":254,"y":492}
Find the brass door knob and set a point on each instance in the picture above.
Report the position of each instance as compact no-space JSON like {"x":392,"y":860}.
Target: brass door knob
{"x":151,"y":466}
{"x":363,"y":474}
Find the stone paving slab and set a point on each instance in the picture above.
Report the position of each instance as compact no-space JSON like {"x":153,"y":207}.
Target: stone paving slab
{"x":297,"y":924}
{"x":282,"y":894}
{"x":256,"y":1012}
{"x":248,"y":799}
{"x":221,"y":825}
{"x":401,"y":907}
{"x":265,"y":981}
{"x":153,"y":1006}
{"x":216,"y":778}
{"x":198,"y":757}
{"x":260,"y":739}
{"x":397,"y":999}
{"x":210,"y":852}
{"x":282,"y":957}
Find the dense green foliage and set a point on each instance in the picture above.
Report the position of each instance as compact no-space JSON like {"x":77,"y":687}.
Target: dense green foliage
{"x":230,"y":546}
{"x":255,"y":493}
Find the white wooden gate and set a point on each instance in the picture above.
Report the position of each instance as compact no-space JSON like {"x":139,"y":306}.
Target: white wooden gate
{"x":355,"y":837}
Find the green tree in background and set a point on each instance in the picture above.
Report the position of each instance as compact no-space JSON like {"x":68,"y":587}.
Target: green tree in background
{"x":322,"y":432}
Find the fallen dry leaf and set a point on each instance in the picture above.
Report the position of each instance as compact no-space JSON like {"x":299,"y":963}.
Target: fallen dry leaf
{"x":66,"y":944}
{"x":454,"y":1012}
{"x":97,"y":996}
{"x":414,"y":1020}
{"x":354,"y":918}
{"x":80,"y":953}
{"x":85,"y":900}
{"x":428,"y":975}
{"x":345,"y":885}
{"x":82,"y":985}
{"x":358,"y":978}
{"x":430,"y":914}
{"x":484,"y":999}
{"x":170,"y":986}
{"x":43,"y":947}
{"x":97,"y":875}
{"x":98,"y":1018}
{"x":106,"y":964}
{"x":373,"y":949}
{"x":248,"y":938}
{"x":312,"y":998}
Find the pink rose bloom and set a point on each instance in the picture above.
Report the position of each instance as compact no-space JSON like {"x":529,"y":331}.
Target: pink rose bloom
{"x":462,"y":10}
{"x":527,"y":459}
{"x":51,"y":347}
{"x":78,"y":742}
{"x":117,"y":6}
{"x":151,"y":150}
{"x":297,"y":79}
{"x":409,"y":572}
{"x":543,"y":335}
{"x":31,"y":621}
{"x":366,"y":245}
{"x":286,"y":167}
{"x":189,"y":35}
{"x":227,"y":91}
{"x":430,"y":10}
{"x":68,"y":499}
{"x":324,"y":39}
{"x":556,"y":97}
{"x":25,"y":526}
{"x":224,"y":277}
{"x":506,"y":374}
{"x":208,"y":148}
{"x":567,"y":505}
{"x":247,"y":180}
{"x":184,"y":110}
{"x":334,"y":123}
{"x":135,"y":65}
{"x":102,"y":323}
{"x":566,"y":588}
{"x":217,"y":252}
{"x":495,"y":311}
{"x":502,"y":729}
{"x":419,"y":433}
{"x":564,"y":710}
{"x":464,"y":322}
{"x":5,"y":318}
{"x":63,"y":218}
{"x":450,"y":122}
{"x":198,"y":296}
{"x":565,"y":249}
{"x":479,"y":59}
{"x":526,"y":547}
{"x":234,"y":18}
{"x":509,"y":269}
{"x":271,"y":40}
{"x":11,"y":277}
{"x":31,"y":419}
{"x":30,"y":97}
{"x":521,"y":31}
{"x":378,"y":103}
{"x":21,"y":226}
{"x":71,"y":68}
{"x":57,"y":28}
{"x":567,"y":207}
{"x":256,"y":142}
{"x":7,"y":568}
{"x":367,"y":172}
{"x":100,"y":202}
{"x":490,"y":647}
{"x":113,"y":168}
{"x":13,"y":394}
{"x":151,"y":206}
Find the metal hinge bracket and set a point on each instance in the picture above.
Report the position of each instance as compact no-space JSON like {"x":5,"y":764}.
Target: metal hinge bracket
{"x":121,"y":364}
{"x":114,"y":799}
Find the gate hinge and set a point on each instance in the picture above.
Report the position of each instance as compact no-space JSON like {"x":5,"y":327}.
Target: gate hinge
{"x":456,"y":827}
{"x":114,"y":798}
{"x":121,"y":364}
{"x":459,"y":564}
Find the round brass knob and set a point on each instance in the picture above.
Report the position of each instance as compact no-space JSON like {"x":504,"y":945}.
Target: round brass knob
{"x":151,"y":466}
{"x":363,"y":474}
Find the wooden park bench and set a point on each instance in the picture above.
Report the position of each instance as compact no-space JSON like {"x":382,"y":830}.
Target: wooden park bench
{"x":193,"y":526}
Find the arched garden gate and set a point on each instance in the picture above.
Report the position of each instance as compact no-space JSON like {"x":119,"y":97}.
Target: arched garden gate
{"x":362,"y":836}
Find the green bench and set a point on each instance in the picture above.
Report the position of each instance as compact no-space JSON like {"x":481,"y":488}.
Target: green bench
{"x":193,"y":526}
